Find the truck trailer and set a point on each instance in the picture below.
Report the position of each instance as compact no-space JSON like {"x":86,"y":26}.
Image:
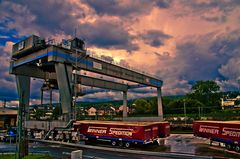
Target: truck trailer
{"x":123,"y":133}
{"x":227,"y":132}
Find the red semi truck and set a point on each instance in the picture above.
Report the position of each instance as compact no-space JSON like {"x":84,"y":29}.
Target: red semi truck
{"x":227,"y":132}
{"x":123,"y":133}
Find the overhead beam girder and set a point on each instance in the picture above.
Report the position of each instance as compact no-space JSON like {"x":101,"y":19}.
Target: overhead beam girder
{"x":84,"y":80}
{"x":108,"y":69}
{"x":136,"y":86}
{"x":56,"y":54}
{"x":100,"y":83}
{"x":25,"y":70}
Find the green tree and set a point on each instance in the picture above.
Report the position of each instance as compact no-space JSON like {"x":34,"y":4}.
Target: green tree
{"x":39,"y":113}
{"x":192,"y":105}
{"x":177,"y":106}
{"x":174,"y":107}
{"x":57,"y":111}
{"x":206,"y":92}
{"x":154,"y":104}
{"x":142,"y":107}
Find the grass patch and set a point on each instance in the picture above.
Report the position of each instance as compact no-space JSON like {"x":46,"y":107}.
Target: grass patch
{"x":34,"y":156}
{"x":7,"y":156}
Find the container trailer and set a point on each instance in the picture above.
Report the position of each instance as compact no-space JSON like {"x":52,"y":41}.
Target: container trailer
{"x":123,"y":133}
{"x":117,"y":132}
{"x":227,"y":132}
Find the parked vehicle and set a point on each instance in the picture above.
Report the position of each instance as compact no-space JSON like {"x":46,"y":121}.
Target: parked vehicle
{"x":117,"y":132}
{"x":11,"y":135}
{"x":123,"y":133}
{"x":227,"y":132}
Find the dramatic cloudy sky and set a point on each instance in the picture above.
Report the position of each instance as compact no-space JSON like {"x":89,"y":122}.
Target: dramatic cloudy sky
{"x":181,"y":41}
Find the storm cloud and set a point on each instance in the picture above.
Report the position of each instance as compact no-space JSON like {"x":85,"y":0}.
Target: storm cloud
{"x":181,"y":41}
{"x":155,"y":38}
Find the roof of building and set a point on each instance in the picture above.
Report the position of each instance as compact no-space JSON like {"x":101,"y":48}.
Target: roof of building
{"x":6,"y":111}
{"x":92,"y":109}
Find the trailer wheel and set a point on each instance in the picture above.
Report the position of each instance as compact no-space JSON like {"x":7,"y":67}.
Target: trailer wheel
{"x":228,"y":146}
{"x":127,"y":144}
{"x":156,"y":142}
{"x":114,"y":143}
{"x":120,"y":144}
{"x":237,"y":148}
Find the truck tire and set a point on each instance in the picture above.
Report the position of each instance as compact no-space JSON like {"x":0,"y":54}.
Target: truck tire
{"x":114,"y":143}
{"x":120,"y":144}
{"x":211,"y":142}
{"x":237,"y":148}
{"x":127,"y":144}
{"x":156,"y":142}
{"x":228,"y":146}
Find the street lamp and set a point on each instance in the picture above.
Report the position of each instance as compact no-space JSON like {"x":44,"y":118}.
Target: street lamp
{"x":185,"y":112}
{"x":238,"y":80}
{"x":184,"y":108}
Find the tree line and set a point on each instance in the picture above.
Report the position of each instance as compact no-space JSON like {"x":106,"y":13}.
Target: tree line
{"x":204,"y":97}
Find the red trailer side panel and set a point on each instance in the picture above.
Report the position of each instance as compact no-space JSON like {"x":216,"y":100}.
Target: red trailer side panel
{"x":126,"y":131}
{"x":164,"y":129}
{"x":224,"y":131}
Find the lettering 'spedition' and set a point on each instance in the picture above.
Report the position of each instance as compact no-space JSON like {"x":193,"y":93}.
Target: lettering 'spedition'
{"x":232,"y":132}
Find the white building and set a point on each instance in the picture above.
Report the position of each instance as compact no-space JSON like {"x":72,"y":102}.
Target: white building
{"x":230,"y":103}
{"x":92,"y":111}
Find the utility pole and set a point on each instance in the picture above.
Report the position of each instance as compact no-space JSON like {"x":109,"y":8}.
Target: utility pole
{"x":199,"y":112}
{"x":185,"y":112}
{"x":184,"y":108}
{"x":75,"y":87}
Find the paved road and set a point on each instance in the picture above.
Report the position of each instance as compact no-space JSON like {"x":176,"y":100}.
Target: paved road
{"x":60,"y":151}
{"x":175,"y":143}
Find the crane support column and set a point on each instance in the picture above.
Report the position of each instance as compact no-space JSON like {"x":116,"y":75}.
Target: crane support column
{"x":125,"y":104}
{"x":23,"y":87}
{"x":64,"y":80}
{"x":159,"y":101}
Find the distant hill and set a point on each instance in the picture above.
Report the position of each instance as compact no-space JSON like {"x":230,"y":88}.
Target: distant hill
{"x":115,"y":103}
